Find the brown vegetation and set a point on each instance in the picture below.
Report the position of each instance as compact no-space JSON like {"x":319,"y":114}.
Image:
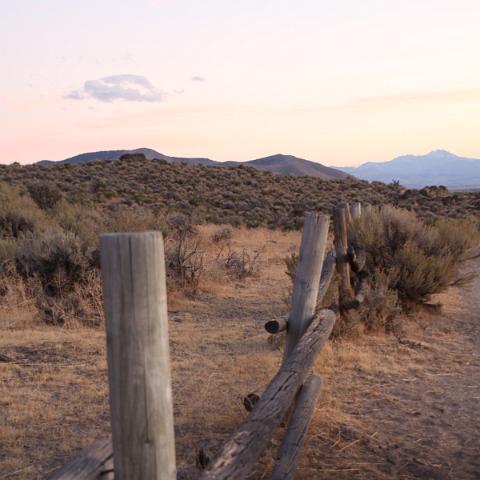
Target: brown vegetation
{"x":229,"y":281}
{"x":236,"y":196}
{"x":388,"y":409}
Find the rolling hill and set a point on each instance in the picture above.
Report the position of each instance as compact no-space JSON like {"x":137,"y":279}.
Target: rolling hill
{"x":279,"y":163}
{"x":415,"y":171}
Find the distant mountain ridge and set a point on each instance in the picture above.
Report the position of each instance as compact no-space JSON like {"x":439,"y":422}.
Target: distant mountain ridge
{"x":438,"y":167}
{"x":279,"y":163}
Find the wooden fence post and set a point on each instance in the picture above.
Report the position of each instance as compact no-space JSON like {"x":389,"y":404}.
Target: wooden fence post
{"x":133,"y":273}
{"x":307,"y":278}
{"x":356,"y":210}
{"x":341,"y":249}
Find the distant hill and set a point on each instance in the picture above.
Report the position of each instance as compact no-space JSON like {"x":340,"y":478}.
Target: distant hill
{"x":288,"y":164}
{"x":415,"y":171}
{"x":241,"y":195}
{"x":279,"y":163}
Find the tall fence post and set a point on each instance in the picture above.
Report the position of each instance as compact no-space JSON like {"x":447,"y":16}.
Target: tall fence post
{"x":307,"y":277}
{"x":341,"y":249}
{"x":356,"y":210}
{"x":133,"y":274}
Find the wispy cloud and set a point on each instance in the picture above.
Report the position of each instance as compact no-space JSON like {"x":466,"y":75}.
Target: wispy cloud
{"x":396,"y":100}
{"x":131,"y":88}
{"x":197,"y":78}
{"x":417,"y":97}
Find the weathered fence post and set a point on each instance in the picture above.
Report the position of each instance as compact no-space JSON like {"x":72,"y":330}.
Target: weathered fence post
{"x":307,"y":278}
{"x":356,"y":210}
{"x":133,"y":273}
{"x":341,"y":249}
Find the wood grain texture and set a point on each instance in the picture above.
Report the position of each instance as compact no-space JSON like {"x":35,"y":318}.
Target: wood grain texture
{"x":328,"y":269}
{"x":238,"y":456}
{"x":92,"y":463}
{"x":307,"y":278}
{"x":291,"y":449}
{"x":276,"y":326}
{"x":133,"y":274}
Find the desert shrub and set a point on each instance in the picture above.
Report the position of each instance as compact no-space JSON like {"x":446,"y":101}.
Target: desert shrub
{"x":45,"y":194}
{"x":223,"y":234}
{"x":59,"y":259}
{"x":243,"y":263}
{"x":133,"y":220}
{"x":59,"y":263}
{"x":422,"y":259}
{"x":229,"y":195}
{"x":19,"y":215}
{"x":379,"y":311}
{"x":8,"y":250}
{"x":83,"y":221}
{"x":184,"y":257}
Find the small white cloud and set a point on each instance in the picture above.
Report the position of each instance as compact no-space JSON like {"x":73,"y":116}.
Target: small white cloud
{"x":196,"y":78}
{"x":74,"y":95}
{"x":131,"y":88}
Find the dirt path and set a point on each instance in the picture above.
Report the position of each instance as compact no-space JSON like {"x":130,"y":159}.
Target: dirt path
{"x":421,"y":421}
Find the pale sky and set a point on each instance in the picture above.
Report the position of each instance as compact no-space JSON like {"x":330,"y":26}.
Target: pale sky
{"x":338,"y":82}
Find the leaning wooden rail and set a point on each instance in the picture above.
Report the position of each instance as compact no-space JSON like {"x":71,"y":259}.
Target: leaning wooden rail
{"x":291,"y":449}
{"x":239,"y":454}
{"x":94,"y":462}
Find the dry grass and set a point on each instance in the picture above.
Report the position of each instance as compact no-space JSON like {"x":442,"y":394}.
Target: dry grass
{"x":54,"y":395}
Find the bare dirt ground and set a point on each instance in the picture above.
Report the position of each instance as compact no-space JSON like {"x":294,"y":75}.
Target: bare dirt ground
{"x":419,"y":418}
{"x":389,"y":409}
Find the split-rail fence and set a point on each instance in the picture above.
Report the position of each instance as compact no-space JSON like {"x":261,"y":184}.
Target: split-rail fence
{"x":142,"y":445}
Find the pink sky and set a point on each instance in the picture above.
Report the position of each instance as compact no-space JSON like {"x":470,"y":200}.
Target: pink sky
{"x":338,"y":82}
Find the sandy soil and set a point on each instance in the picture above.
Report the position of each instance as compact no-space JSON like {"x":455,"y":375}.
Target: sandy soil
{"x":389,"y":409}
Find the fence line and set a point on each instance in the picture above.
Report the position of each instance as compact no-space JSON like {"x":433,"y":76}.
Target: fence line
{"x":133,"y":274}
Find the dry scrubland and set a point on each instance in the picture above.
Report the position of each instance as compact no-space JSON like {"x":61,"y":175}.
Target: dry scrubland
{"x":394,"y":405}
{"x":401,"y":382}
{"x":238,"y":196}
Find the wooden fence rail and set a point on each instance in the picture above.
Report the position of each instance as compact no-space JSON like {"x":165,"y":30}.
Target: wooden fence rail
{"x":291,"y":449}
{"x":133,"y":273}
{"x":238,"y":456}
